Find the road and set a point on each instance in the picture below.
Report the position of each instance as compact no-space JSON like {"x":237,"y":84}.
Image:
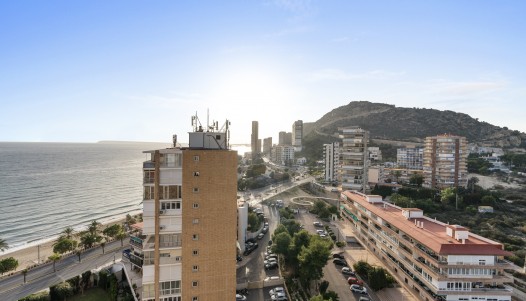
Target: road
{"x":42,"y":277}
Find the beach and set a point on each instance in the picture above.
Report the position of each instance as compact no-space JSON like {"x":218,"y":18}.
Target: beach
{"x":28,"y":255}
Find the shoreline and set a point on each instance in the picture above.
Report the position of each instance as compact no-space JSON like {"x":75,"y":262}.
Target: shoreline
{"x":28,"y":254}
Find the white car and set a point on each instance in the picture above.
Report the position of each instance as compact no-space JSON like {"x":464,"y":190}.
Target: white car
{"x":276,"y":290}
{"x":279,"y":297}
{"x":270,"y":260}
{"x":355,"y":288}
{"x":240,"y":297}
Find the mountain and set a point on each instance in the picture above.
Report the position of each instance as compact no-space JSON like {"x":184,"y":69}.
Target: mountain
{"x":388,"y":122}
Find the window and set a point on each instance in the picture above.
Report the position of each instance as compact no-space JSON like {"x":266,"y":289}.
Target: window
{"x":196,"y":190}
{"x":195,"y":252}
{"x":195,"y":205}
{"x":170,"y":287}
{"x":195,"y":221}
{"x":195,"y":298}
{"x":196,"y":158}
{"x":195,"y":268}
{"x":195,"y":237}
{"x":196,"y":174}
{"x":195,"y":283}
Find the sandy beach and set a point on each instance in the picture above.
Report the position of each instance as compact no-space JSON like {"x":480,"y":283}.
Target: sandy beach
{"x":29,"y":256}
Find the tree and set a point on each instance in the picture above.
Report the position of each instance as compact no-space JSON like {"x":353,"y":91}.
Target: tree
{"x":313,"y":259}
{"x":280,"y":229}
{"x":331,"y":295}
{"x":323,"y":286}
{"x":416,"y":179}
{"x":88,"y":239}
{"x":362,"y":268}
{"x":64,"y":290}
{"x":488,"y":200}
{"x":397,"y":175}
{"x":113,"y":230}
{"x":447,"y":195}
{"x":472,"y":182}
{"x":64,"y":245}
{"x":93,"y":227}
{"x":3,"y":245}
{"x":377,"y":278}
{"x":253,"y":221}
{"x":121,"y":235}
{"x":401,"y":201}
{"x":317,"y":298}
{"x":24,"y":272}
{"x":68,"y":232}
{"x":8,"y":264}
{"x":281,"y":243}
{"x":55,"y":257}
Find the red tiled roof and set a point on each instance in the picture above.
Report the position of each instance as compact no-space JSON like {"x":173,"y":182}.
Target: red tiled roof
{"x":433,"y":234}
{"x":138,"y":226}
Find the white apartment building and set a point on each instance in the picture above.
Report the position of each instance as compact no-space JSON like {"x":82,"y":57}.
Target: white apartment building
{"x":410,"y":158}
{"x":354,"y":158}
{"x":282,"y":154}
{"x":331,"y":159}
{"x":437,"y":260}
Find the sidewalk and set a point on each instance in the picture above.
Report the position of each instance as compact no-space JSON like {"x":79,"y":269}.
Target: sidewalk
{"x":357,"y":254}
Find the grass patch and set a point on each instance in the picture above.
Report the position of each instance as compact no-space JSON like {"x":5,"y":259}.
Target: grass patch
{"x":93,"y":294}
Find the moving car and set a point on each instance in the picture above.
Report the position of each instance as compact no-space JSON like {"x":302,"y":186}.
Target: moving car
{"x":240,"y":297}
{"x":355,"y":288}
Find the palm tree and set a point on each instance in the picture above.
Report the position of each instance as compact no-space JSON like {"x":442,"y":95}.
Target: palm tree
{"x":93,"y":228}
{"x":121,"y":235}
{"x":3,"y":245}
{"x":24,"y":272}
{"x":55,"y":257}
{"x":68,"y":232}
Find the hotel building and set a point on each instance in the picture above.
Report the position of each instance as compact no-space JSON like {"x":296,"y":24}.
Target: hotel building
{"x":189,"y":236}
{"x":354,"y":158}
{"x":437,"y":261}
{"x":445,"y":161}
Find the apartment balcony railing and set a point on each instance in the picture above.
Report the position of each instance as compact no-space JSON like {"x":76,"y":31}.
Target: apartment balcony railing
{"x":148,"y":164}
{"x":151,"y":245}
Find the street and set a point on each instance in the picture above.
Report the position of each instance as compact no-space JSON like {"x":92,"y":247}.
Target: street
{"x":42,"y":277}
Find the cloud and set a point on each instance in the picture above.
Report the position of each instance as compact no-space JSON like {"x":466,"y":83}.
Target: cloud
{"x":340,"y":75}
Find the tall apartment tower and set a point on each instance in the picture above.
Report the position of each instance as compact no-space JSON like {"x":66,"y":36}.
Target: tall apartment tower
{"x":190,"y":219}
{"x":285,"y":138}
{"x":354,"y":158}
{"x":331,"y":157}
{"x":297,"y":135}
{"x":254,"y":139}
{"x":445,"y":158}
{"x":267,"y":145}
{"x":410,"y":158}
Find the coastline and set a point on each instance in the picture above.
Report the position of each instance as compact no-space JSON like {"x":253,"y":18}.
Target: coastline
{"x":28,"y":254}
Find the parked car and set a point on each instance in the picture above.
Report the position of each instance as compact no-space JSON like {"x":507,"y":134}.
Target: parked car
{"x":279,"y":297}
{"x":271,"y":256}
{"x":270,"y":260}
{"x":318,"y":224}
{"x":239,"y":258}
{"x":348,"y":271}
{"x":354,"y":280}
{"x":260,"y":235}
{"x":247,"y":251}
{"x":278,"y":289}
{"x":341,"y":262}
{"x":240,"y":297}
{"x":252,"y":240}
{"x":337,"y":255}
{"x":271,"y":265}
{"x":126,"y":253}
{"x":355,"y":288}
{"x":270,"y":242}
{"x":364,"y":299}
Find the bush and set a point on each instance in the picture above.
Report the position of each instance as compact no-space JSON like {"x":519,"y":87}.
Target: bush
{"x":340,"y":244}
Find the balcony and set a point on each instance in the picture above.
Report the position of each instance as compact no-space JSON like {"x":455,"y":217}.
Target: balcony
{"x":136,"y":242}
{"x":148,"y":164}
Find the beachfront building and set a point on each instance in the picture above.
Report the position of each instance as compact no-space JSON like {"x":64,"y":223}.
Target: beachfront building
{"x":437,"y":260}
{"x":354,"y":158}
{"x":331,"y":159}
{"x":189,"y":235}
{"x":445,"y":161}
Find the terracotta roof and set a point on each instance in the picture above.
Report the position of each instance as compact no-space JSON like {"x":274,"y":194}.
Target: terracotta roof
{"x":138,"y":226}
{"x":433,"y":234}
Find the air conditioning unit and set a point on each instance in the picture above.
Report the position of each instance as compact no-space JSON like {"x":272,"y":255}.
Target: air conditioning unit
{"x":162,"y":211}
{"x":162,"y":227}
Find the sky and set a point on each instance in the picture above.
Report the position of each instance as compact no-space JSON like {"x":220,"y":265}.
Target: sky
{"x":86,"y":71}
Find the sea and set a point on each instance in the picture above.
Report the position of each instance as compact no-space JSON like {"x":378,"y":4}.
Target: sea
{"x":46,"y":187}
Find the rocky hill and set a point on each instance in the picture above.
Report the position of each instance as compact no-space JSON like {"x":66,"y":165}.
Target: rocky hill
{"x":385,"y":121}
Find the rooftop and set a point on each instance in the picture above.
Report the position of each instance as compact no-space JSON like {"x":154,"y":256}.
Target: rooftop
{"x":429,"y":232}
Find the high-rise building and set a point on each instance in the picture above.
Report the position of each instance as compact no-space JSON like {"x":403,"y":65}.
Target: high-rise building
{"x":258,"y":146}
{"x":297,"y":135}
{"x":267,"y":145}
{"x":254,"y":139}
{"x":285,"y":138}
{"x":282,"y":154}
{"x":354,"y":158}
{"x":189,"y":237}
{"x":438,"y":261}
{"x":445,"y":161}
{"x":410,"y":158}
{"x":331,"y":157}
